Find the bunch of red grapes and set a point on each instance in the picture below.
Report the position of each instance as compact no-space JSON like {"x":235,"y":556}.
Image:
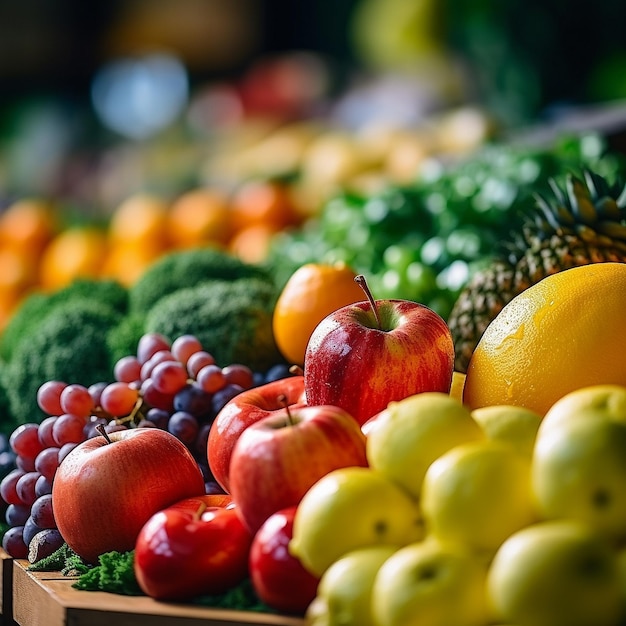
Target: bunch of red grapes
{"x":176,"y":386}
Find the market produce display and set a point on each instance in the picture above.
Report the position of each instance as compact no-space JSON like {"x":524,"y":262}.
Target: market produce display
{"x":444,"y":483}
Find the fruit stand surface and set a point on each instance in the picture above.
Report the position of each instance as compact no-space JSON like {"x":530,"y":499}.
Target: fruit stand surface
{"x":49,"y":598}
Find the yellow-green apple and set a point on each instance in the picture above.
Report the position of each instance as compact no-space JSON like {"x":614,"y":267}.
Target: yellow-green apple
{"x":364,"y":355}
{"x":276,"y":460}
{"x":579,"y":471}
{"x":245,"y":409}
{"x":406,"y":437}
{"x":108,"y":487}
{"x":345,"y":590}
{"x":556,"y":573}
{"x":430,"y":583}
{"x":350,"y":508}
{"x":182,"y":553}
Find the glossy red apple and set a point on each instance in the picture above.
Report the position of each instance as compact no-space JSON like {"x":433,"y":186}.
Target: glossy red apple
{"x":181,"y":553}
{"x":276,"y":460}
{"x":364,"y":355}
{"x":278,"y":578}
{"x":107,"y":488}
{"x":245,"y":409}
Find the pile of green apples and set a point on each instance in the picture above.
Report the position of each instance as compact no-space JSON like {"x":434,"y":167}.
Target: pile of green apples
{"x":463,"y":517}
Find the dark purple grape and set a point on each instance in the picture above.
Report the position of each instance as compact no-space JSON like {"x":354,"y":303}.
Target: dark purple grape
{"x":43,"y":544}
{"x":184,"y":426}
{"x":25,"y":487}
{"x":277,"y":372}
{"x":47,"y":462}
{"x":30,"y":530}
{"x":43,"y":486}
{"x":41,"y":512}
{"x":95,"y":391}
{"x":221,"y":397}
{"x":194,"y":400}
{"x":144,"y":423}
{"x":200,"y":445}
{"x":13,"y":542}
{"x":17,"y":514}
{"x":159,"y":417}
{"x":89,"y":429}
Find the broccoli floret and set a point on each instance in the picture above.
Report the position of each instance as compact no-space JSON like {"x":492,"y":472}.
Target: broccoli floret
{"x":232,"y":319}
{"x":123,"y":338}
{"x":36,"y":307}
{"x":188,"y":268}
{"x":69,"y":345}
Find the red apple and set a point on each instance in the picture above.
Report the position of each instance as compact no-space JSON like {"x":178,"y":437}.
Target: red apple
{"x":107,"y":488}
{"x":364,"y":355}
{"x":277,"y":460}
{"x":278,"y":577}
{"x":245,"y":409}
{"x":183,"y":553}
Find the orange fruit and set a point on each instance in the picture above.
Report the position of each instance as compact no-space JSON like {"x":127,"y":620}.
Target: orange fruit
{"x":28,"y":224}
{"x":262,"y":202}
{"x":125,"y":263}
{"x":77,"y":252}
{"x":561,"y":334}
{"x":18,"y":269}
{"x":312,"y":292}
{"x":140,"y":219}
{"x":252,"y":244}
{"x":198,"y":217}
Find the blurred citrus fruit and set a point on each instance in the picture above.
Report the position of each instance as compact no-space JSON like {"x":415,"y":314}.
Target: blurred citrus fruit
{"x":561,"y":334}
{"x":199,"y":216}
{"x":29,"y":225}
{"x":74,"y":253}
{"x":312,"y":292}
{"x":140,"y":219}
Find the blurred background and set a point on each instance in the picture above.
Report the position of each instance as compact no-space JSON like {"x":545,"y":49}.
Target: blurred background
{"x":273,"y":108}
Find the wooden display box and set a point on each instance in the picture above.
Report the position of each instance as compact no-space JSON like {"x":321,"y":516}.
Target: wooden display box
{"x":48,"y":598}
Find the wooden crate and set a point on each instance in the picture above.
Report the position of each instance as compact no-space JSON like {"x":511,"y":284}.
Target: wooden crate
{"x":48,"y":598}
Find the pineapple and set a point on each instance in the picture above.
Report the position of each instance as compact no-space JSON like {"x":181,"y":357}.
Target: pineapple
{"x":580,"y":220}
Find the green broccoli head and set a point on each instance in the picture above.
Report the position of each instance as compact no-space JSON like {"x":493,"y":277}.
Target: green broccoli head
{"x":69,"y":345}
{"x":188,"y":268}
{"x":36,"y":307}
{"x":232,"y":319}
{"x":123,"y":338}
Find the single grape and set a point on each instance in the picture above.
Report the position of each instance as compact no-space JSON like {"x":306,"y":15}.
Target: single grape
{"x":89,"y":429}
{"x":149,"y":344}
{"x":169,"y":377}
{"x":8,"y":484}
{"x":213,"y":487}
{"x":28,"y":465}
{"x":238,"y":374}
{"x":68,"y":428}
{"x":158,"y":417}
{"x":43,"y":544}
{"x":24,"y":441}
{"x":13,"y":543}
{"x":43,"y":486}
{"x":192,"y":399}
{"x":200,"y":445}
{"x":96,"y":390}
{"x":154,"y":398}
{"x":119,"y":399}
{"x":45,"y":431}
{"x":65,"y":449}
{"x":17,"y":514}
{"x":211,"y":378}
{"x":30,"y":530}
{"x":47,"y":462}
{"x":25,"y":487}
{"x":160,"y":357}
{"x":197,"y":361}
{"x":221,"y":397}
{"x":113,"y":427}
{"x":49,"y":397}
{"x":42,"y":513}
{"x":76,"y":399}
{"x":184,"y":426}
{"x":127,"y":369}
{"x":184,"y":346}
{"x":277,"y":372}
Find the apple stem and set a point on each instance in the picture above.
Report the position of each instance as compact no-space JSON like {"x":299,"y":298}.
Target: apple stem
{"x":201,"y":509}
{"x":102,"y":430}
{"x":282,"y":399}
{"x":362,"y":283}
{"x":296,"y":370}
